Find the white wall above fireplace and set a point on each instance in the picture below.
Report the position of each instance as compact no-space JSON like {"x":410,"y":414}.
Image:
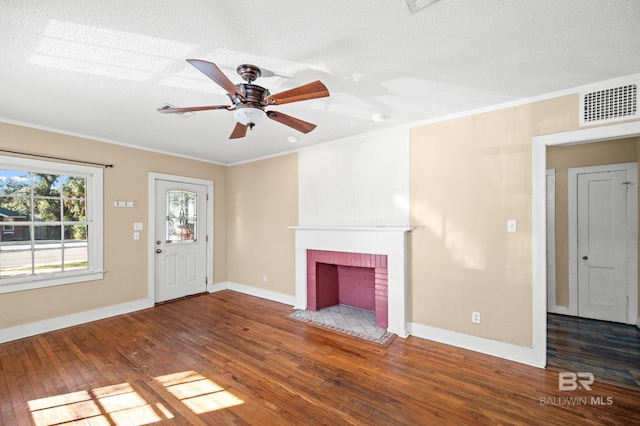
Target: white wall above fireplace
{"x":362,"y":181}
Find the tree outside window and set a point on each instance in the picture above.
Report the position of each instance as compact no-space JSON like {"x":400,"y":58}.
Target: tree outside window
{"x":48,"y":213}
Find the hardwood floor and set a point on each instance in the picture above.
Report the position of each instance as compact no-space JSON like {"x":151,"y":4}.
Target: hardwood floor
{"x":228,"y":358}
{"x":610,"y":351}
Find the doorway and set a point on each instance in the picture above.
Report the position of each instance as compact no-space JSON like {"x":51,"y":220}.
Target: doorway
{"x":541,"y":146}
{"x":180,"y":236}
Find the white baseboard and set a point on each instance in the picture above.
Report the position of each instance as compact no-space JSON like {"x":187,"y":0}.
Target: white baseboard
{"x":521,"y":354}
{"x":254,"y":291}
{"x":39,"y":327}
{"x":555,"y":309}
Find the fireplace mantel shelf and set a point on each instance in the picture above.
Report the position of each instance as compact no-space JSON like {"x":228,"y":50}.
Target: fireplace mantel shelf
{"x":354,"y":228}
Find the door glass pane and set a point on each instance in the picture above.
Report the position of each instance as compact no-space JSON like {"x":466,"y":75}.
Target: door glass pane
{"x":181,"y":224}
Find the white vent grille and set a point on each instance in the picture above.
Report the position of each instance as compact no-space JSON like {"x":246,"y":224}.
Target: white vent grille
{"x":611,"y":104}
{"x":416,"y":5}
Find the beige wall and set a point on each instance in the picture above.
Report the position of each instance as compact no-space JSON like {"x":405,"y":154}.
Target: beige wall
{"x":262,"y":204}
{"x":125,"y":259}
{"x":468,"y":177}
{"x":561,"y":158}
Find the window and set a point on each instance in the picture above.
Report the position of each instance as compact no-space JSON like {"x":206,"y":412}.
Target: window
{"x":181,"y":223}
{"x":55,"y":212}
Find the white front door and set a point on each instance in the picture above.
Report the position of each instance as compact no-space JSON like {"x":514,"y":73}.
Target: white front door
{"x":602,"y":245}
{"x":180,"y":239}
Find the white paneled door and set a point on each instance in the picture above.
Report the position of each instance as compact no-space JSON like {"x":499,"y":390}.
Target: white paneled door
{"x":180,"y":239}
{"x":603,"y":230}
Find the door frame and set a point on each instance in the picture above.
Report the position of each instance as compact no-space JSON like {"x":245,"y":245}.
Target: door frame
{"x":552,"y":307}
{"x":151,"y":226}
{"x":539,"y":241}
{"x":632,"y":241}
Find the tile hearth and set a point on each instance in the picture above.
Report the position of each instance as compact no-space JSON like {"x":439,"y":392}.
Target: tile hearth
{"x":346,"y":319}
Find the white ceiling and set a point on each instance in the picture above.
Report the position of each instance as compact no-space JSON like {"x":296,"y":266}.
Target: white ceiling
{"x":101,"y":68}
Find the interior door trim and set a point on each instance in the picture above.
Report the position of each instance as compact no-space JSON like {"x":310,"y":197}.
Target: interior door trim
{"x":151,"y":223}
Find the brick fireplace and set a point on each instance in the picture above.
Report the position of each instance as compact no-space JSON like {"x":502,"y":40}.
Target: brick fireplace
{"x":354,"y":279}
{"x":382,"y":249}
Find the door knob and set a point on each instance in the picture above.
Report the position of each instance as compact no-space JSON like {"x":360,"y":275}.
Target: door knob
{"x":158,"y":251}
{"x":585,"y":257}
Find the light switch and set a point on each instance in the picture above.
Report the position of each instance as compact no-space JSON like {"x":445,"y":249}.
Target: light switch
{"x":136,"y":235}
{"x":511,"y":225}
{"x":137,"y":226}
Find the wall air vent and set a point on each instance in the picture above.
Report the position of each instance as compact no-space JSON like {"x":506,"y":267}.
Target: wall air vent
{"x":616,"y":103}
{"x":416,"y":5}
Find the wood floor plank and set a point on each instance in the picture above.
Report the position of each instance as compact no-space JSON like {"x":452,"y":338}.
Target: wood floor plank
{"x":229,"y":358}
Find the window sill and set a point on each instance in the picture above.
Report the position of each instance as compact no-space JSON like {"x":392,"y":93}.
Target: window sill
{"x":31,"y":283}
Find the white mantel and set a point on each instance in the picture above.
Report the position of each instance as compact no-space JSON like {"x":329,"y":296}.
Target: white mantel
{"x":389,"y":241}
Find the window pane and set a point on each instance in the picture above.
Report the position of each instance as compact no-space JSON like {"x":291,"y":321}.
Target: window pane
{"x":74,"y":187}
{"x":75,"y":210}
{"x":15,"y":255}
{"x":49,"y":234}
{"x":47,"y":260}
{"x":15,"y":208}
{"x":76,"y":251}
{"x":46,"y":185}
{"x":15,"y":182}
{"x":47,"y":255}
{"x":181,"y":216}
{"x":47,"y":209}
{"x":75,"y":233}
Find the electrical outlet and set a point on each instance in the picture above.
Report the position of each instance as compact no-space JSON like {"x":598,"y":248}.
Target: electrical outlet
{"x":475,"y":317}
{"x":137,"y":226}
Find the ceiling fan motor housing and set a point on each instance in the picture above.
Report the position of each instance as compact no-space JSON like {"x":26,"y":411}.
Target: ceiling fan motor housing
{"x":253,"y":96}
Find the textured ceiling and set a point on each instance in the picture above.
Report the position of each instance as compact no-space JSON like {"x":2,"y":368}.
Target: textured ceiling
{"x":101,"y":68}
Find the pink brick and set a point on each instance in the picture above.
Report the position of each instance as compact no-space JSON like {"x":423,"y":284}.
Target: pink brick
{"x":363,"y":281}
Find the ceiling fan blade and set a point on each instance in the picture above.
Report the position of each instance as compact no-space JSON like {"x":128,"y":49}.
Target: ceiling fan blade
{"x":212,"y":71}
{"x":292,"y":122}
{"x":170,"y":110}
{"x":308,"y":91}
{"x":239,"y":131}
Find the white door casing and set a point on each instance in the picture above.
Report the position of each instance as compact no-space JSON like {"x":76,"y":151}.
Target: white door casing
{"x":603,"y":242}
{"x":180,"y":240}
{"x":551,"y":244}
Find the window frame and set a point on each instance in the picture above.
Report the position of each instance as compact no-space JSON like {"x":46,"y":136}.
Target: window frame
{"x":94,"y":197}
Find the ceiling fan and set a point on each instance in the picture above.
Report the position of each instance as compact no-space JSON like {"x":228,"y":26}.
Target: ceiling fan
{"x":249,"y":100}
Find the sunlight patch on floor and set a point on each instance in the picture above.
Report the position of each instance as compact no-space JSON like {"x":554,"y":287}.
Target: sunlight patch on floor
{"x":121,"y":405}
{"x":198,"y":393}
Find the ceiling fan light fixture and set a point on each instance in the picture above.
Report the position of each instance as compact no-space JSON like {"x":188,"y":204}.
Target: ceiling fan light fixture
{"x":249,"y":115}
